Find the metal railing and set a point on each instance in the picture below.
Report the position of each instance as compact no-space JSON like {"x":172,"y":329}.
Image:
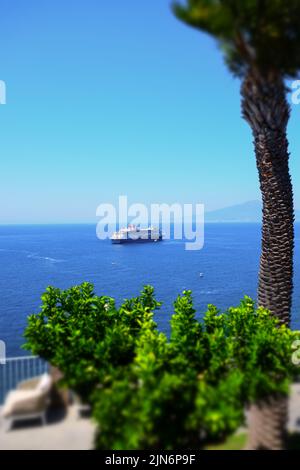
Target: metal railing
{"x":17,"y":369}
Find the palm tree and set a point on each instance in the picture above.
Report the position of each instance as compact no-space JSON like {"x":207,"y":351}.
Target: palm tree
{"x":261,"y":44}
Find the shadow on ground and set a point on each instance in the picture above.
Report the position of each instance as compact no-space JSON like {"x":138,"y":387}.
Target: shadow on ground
{"x":54,"y":416}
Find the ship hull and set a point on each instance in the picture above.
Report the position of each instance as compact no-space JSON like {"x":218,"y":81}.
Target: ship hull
{"x":134,"y":234}
{"x":128,"y":241}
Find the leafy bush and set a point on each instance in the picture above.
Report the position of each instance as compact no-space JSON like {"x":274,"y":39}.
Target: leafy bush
{"x":152,"y":391}
{"x":86,"y":336}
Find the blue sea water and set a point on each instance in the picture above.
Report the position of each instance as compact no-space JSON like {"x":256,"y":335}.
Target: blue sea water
{"x":33,"y":257}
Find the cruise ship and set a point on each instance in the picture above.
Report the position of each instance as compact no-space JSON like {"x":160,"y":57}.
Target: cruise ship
{"x":135,"y":234}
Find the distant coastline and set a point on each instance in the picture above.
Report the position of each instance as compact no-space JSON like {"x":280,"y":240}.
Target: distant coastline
{"x":249,"y":212}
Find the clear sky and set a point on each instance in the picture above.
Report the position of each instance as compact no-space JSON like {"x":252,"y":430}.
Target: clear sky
{"x":117,"y":97}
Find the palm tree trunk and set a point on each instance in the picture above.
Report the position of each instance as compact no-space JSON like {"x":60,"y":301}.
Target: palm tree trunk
{"x":265,"y":108}
{"x":267,"y":424}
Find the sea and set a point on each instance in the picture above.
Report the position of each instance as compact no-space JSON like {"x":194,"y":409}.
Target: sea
{"x":33,"y":257}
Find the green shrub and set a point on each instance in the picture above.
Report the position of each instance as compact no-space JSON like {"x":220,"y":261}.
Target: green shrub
{"x":86,"y":336}
{"x":149,"y":390}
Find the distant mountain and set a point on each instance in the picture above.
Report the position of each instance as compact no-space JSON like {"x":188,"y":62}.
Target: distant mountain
{"x":248,"y":212}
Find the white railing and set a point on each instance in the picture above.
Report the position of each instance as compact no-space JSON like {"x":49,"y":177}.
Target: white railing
{"x":17,"y":369}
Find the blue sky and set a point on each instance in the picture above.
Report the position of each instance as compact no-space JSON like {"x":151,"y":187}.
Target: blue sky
{"x":117,"y":97}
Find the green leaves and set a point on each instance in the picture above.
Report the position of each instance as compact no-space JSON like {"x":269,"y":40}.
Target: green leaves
{"x":260,"y":34}
{"x":149,"y":390}
{"x":86,"y":336}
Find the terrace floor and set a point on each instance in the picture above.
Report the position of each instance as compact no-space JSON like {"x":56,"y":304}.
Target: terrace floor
{"x":64,"y":431}
{"x":68,"y":432}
